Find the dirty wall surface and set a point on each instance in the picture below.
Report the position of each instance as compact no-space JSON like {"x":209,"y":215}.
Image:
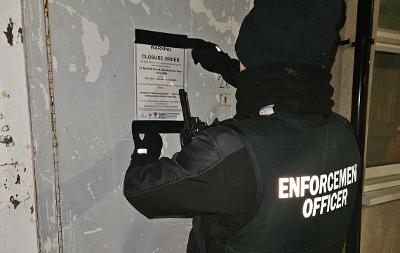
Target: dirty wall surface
{"x":17,"y":188}
{"x":81,"y":117}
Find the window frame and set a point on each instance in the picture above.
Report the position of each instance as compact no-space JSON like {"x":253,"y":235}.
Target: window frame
{"x":381,"y":183}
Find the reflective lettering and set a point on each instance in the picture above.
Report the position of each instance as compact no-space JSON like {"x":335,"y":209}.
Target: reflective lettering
{"x":283,"y":188}
{"x":304,"y":185}
{"x":324,"y":204}
{"x":342,"y":176}
{"x":294,"y":187}
{"x":322,"y":185}
{"x":336,"y":180}
{"x":344,"y":197}
{"x":349,"y":179}
{"x":307,"y":208}
{"x":339,"y":200}
{"x":354,"y":173}
{"x":325,"y":192}
{"x":316,"y":205}
{"x":314,"y":185}
{"x":330,"y":183}
{"x":333,"y":202}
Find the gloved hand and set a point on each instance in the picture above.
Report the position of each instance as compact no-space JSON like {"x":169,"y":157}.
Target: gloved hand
{"x":213,"y":59}
{"x":148,"y":149}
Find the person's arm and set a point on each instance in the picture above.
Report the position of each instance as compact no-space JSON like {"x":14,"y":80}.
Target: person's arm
{"x":213,"y":59}
{"x":212,"y":175}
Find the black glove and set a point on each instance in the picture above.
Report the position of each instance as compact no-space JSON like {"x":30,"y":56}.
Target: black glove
{"x":213,"y":59}
{"x":148,"y":149}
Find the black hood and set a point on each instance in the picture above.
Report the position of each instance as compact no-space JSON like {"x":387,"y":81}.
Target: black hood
{"x":291,"y":31}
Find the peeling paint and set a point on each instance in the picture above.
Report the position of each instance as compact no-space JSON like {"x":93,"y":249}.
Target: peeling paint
{"x":90,"y":181}
{"x":16,"y":162}
{"x":135,"y":2}
{"x":55,"y":63}
{"x":93,"y":231}
{"x":18,"y":181}
{"x":90,"y":191}
{"x":198,"y":7}
{"x":5,"y":128}
{"x":49,"y":244}
{"x":94,"y":48}
{"x":72,"y":68}
{"x":14,"y":201}
{"x":7,"y":140}
{"x":9,"y":32}
{"x":5,"y":95}
{"x":12,"y":163}
{"x":70,"y":9}
{"x":146,"y":8}
{"x":20,"y":34}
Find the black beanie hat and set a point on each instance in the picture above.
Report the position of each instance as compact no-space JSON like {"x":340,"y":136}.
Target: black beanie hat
{"x":291,"y":31}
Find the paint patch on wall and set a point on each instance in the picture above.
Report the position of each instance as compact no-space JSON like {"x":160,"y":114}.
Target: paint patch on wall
{"x":4,"y":95}
{"x":93,"y":231}
{"x":143,"y":4}
{"x":198,"y":7}
{"x":15,"y":201}
{"x":72,"y":68}
{"x":5,"y":128}
{"x":135,"y":1}
{"x":9,"y":32}
{"x":94,"y":48}
{"x":146,"y":8}
{"x":50,"y":244}
{"x":14,"y":184}
{"x":55,"y":64}
{"x":46,"y":96}
{"x":20,"y":35}
{"x":7,"y":140}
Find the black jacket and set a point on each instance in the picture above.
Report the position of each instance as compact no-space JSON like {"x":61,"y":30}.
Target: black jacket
{"x":245,"y":184}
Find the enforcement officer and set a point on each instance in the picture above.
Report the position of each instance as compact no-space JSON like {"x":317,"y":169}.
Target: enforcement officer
{"x":281,"y":176}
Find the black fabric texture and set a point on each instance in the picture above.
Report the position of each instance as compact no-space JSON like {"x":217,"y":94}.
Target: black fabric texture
{"x":287,"y":145}
{"x":291,"y":31}
{"x":291,"y":88}
{"x":213,"y":60}
{"x":226,"y":179}
{"x":210,"y":176}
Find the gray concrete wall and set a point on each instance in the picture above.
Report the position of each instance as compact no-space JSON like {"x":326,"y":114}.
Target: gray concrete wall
{"x":81,"y":117}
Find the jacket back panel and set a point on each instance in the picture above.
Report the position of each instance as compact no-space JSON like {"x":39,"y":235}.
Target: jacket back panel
{"x":307,"y":177}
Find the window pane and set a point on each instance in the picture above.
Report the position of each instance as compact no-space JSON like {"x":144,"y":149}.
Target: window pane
{"x":389,"y":14}
{"x":384,"y":118}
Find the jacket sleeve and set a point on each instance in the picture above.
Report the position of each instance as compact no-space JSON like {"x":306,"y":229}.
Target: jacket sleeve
{"x":212,"y":175}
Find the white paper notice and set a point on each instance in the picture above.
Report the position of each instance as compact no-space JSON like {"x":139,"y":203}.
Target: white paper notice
{"x":160,"y":73}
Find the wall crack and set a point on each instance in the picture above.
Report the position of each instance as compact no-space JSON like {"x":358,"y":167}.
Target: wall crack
{"x":53,"y":127}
